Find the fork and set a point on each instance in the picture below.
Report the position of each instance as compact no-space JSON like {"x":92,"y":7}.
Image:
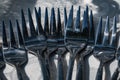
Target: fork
{"x":83,"y":65}
{"x":2,"y":61}
{"x":15,"y":53}
{"x":105,"y":46}
{"x":117,"y":70}
{"x":73,"y":37}
{"x":51,"y":45}
{"x":36,"y":42}
{"x":61,"y":51}
{"x":2,"y":66}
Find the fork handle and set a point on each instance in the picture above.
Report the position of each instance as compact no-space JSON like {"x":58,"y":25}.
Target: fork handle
{"x":62,"y":65}
{"x":107,"y":71}
{"x":79,"y":75}
{"x":115,"y":75}
{"x":44,"y":69}
{"x":99,"y":72}
{"x":60,"y":68}
{"x":70,"y":68}
{"x":22,"y":74}
{"x":2,"y":76}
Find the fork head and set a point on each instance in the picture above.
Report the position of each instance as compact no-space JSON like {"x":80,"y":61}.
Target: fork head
{"x":37,"y":39}
{"x":51,"y":32}
{"x":91,"y":35}
{"x":60,"y":33}
{"x":78,"y":33}
{"x":105,"y":42}
{"x":13,"y":52}
{"x":91,"y":39}
{"x":60,"y":29}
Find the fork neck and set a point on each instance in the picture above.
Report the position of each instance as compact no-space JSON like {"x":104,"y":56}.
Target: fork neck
{"x":22,"y":74}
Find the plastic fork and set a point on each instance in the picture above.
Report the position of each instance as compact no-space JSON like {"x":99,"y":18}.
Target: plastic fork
{"x":73,"y":36}
{"x":2,"y":66}
{"x":14,"y":52}
{"x":61,"y":51}
{"x":117,"y":70}
{"x":36,"y":36}
{"x":55,"y":45}
{"x":51,"y":44}
{"x":83,"y":63}
{"x":36,"y":41}
{"x":105,"y":46}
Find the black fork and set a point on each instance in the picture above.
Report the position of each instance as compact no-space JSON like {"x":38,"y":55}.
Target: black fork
{"x":14,"y":52}
{"x":2,"y":62}
{"x":61,"y":52}
{"x":83,"y":64}
{"x":73,"y":36}
{"x":36,"y":42}
{"x":117,"y":70}
{"x":2,"y":66}
{"x":51,"y":34}
{"x":105,"y":46}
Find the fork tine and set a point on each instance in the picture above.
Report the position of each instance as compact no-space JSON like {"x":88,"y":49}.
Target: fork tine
{"x":4,"y":36}
{"x":24,"y":27}
{"x":86,"y":22}
{"x":98,"y":36}
{"x":12,"y":36}
{"x":38,"y":20}
{"x":46,"y":22}
{"x":59,"y":30}
{"x":52,"y":22}
{"x":113,"y":34}
{"x":83,"y":22}
{"x":106,"y":32}
{"x":118,"y":41}
{"x":85,"y":28}
{"x":114,"y":25}
{"x":87,"y":11}
{"x":32,"y":27}
{"x":65,"y":17}
{"x":65,"y":20}
{"x":91,"y":28}
{"x":19,"y":35}
{"x":39,"y":11}
{"x":85,"y":25}
{"x":77,"y":21}
{"x":69,"y":25}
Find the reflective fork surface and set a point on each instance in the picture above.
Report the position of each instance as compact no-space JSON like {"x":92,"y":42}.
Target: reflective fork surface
{"x":50,"y":41}
{"x":117,"y":70}
{"x":2,"y":65}
{"x":15,"y":54}
{"x":76,"y":37}
{"x":105,"y":46}
{"x":83,"y":60}
{"x":36,"y":41}
{"x":51,"y":34}
{"x":61,"y":51}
